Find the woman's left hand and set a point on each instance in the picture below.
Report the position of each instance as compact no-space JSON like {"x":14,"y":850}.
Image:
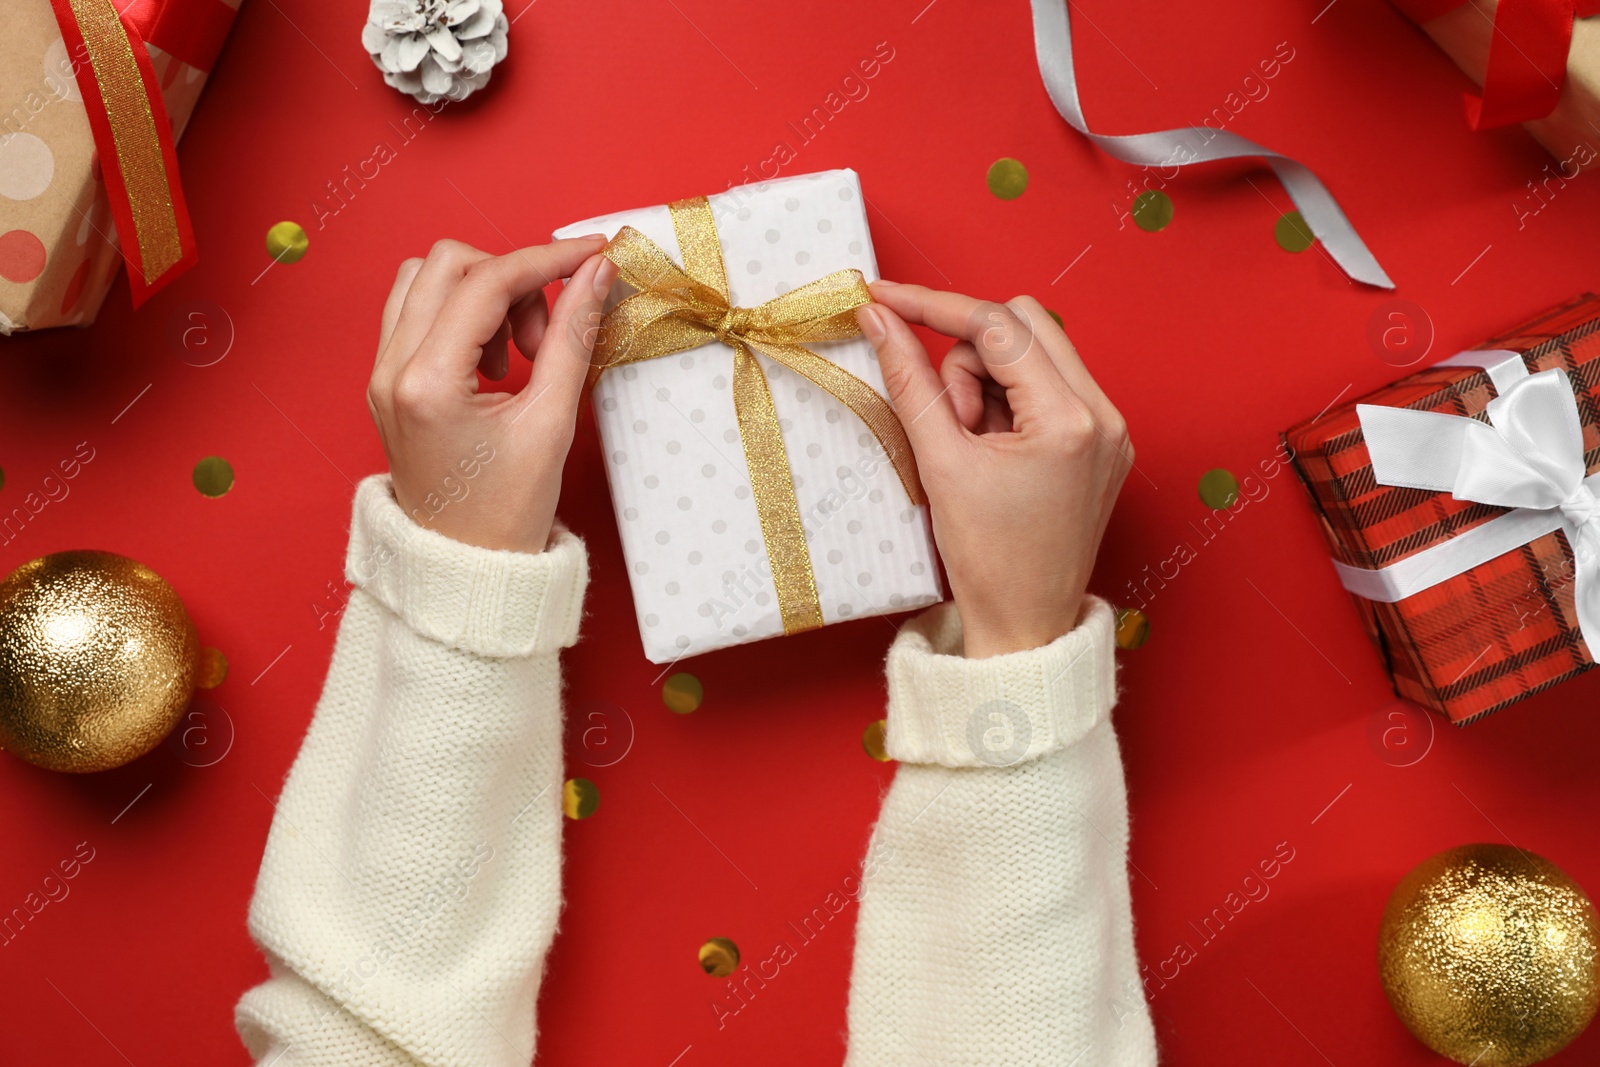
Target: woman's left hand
{"x":485,"y":468}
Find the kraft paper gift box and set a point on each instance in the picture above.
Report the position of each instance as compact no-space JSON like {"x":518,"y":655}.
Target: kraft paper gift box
{"x":60,"y":242}
{"x":1568,"y":124}
{"x":1467,"y":641}
{"x":680,"y":483}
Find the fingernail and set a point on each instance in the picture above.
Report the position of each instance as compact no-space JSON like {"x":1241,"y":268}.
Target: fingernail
{"x":871,"y":324}
{"x":592,"y":237}
{"x":604,"y":275}
{"x":884,"y":281}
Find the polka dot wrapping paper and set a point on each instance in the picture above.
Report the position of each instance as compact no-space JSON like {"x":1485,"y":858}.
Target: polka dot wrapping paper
{"x":58,"y":245}
{"x":690,"y":532}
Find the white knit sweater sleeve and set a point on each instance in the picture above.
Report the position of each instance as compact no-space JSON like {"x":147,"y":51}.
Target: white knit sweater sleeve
{"x":995,"y":927}
{"x":411,"y":881}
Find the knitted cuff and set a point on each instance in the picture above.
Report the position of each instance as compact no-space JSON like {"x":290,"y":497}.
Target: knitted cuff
{"x":486,"y":601}
{"x":1000,"y":711}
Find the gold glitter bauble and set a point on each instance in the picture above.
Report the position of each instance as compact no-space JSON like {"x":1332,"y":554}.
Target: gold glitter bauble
{"x":1488,"y":954}
{"x":97,"y":661}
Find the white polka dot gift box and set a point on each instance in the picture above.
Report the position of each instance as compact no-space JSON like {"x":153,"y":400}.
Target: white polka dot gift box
{"x":762,"y":484}
{"x":94,"y":98}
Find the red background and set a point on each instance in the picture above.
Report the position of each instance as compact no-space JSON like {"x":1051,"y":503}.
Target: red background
{"x":1243,"y":718}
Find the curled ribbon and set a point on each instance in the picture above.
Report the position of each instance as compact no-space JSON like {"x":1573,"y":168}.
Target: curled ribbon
{"x":132,"y":133}
{"x":1052,"y":41}
{"x":679,"y":308}
{"x":1528,"y":457}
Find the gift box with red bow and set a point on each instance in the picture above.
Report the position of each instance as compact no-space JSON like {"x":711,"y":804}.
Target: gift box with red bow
{"x":96,"y":95}
{"x":1537,"y":62}
{"x":1461,"y":507}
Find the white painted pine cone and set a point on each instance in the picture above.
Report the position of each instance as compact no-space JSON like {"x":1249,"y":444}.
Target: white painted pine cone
{"x":436,"y":49}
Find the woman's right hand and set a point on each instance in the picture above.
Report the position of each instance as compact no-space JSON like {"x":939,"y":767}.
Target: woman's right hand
{"x":1021,"y":455}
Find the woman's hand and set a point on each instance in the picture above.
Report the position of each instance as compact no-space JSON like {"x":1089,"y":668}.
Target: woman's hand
{"x":485,"y":469}
{"x":1020,"y":452}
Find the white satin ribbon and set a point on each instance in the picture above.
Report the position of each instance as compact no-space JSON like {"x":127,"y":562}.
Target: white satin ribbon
{"x":1528,"y":457}
{"x":1504,"y":367}
{"x":1052,"y":39}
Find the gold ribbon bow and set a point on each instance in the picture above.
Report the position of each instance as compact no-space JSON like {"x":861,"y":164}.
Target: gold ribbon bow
{"x":678,"y":308}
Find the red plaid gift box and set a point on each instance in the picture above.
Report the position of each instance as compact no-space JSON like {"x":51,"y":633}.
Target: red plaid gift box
{"x":1506,"y":625}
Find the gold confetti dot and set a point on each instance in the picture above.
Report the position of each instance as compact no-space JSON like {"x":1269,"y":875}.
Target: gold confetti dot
{"x":1218,"y":488}
{"x":213,"y":476}
{"x":1152,"y":210}
{"x":1007,"y":178}
{"x":1054,"y":315}
{"x":1133,"y":629}
{"x":287,"y":242}
{"x":719,"y":957}
{"x":872,"y":739}
{"x":682,"y":693}
{"x":579,"y":798}
{"x":2,"y":478}
{"x":1292,"y":233}
{"x":213,"y":669}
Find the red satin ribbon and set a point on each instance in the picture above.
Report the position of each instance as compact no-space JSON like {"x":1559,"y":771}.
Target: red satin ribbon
{"x":1527,"y":56}
{"x":189,"y":30}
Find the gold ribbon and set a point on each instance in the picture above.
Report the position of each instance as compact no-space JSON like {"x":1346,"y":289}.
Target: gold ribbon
{"x":133,"y":122}
{"x":678,"y":308}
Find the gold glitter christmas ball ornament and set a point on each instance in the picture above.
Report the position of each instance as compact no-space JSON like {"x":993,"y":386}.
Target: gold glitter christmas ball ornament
{"x":1489,"y":956}
{"x":98,"y":660}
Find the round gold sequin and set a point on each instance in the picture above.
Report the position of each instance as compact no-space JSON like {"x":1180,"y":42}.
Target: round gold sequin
{"x":1057,"y":317}
{"x":579,"y":798}
{"x":1488,"y":955}
{"x":2,"y":478}
{"x":287,"y":242}
{"x":682,"y":693}
{"x":97,"y":661}
{"x":213,"y":476}
{"x":1152,"y":210}
{"x":872,"y":739}
{"x":1007,"y":178}
{"x":719,"y":957}
{"x":1218,"y":488}
{"x":212,"y":668}
{"x":1133,"y":628}
{"x":1292,"y":233}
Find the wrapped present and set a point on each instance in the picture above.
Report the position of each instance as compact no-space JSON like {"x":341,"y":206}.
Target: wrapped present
{"x":762,"y":484}
{"x":1537,"y":61}
{"x":97,"y":95}
{"x":1460,"y":506}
